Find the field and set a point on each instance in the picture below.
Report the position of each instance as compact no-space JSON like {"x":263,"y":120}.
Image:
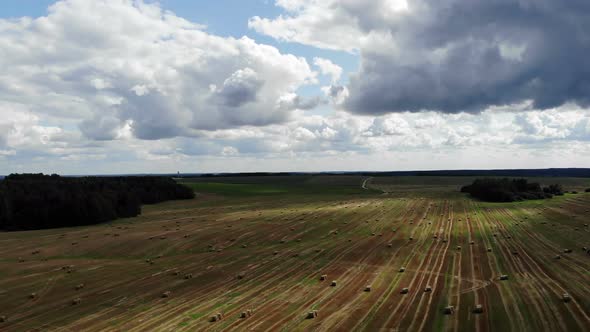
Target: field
{"x":261,"y":244}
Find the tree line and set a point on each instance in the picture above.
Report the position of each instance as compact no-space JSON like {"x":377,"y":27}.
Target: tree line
{"x":38,"y":201}
{"x":510,"y":190}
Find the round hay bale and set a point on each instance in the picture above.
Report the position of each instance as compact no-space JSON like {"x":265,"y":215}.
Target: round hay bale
{"x":504,"y":277}
{"x":566,"y":297}
{"x":3,"y":319}
{"x":76,"y":301}
{"x":241,"y":276}
{"x":428,"y":289}
{"x":567,"y":251}
{"x":402,"y":269}
{"x":333,"y":284}
{"x":404,"y":290}
{"x":323,"y":277}
{"x":166,"y":294}
{"x":367,"y":288}
{"x":188,"y":276}
{"x":489,"y":249}
{"x":79,"y":286}
{"x":557,"y":256}
{"x":33,"y":296}
{"x":312,"y":314}
{"x":478,"y":309}
{"x":458,"y":247}
{"x":448,"y":310}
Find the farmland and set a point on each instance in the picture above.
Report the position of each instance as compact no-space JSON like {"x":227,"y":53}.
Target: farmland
{"x":262,"y":244}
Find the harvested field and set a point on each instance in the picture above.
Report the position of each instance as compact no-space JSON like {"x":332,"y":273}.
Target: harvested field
{"x":259,"y":258}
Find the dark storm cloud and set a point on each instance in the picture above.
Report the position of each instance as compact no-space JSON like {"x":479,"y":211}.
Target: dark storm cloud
{"x":455,"y":56}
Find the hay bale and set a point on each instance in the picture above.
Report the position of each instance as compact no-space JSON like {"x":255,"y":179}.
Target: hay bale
{"x":246,"y":314}
{"x":76,"y":301}
{"x":33,"y":296}
{"x":404,"y":291}
{"x":333,"y":284}
{"x":79,"y":286}
{"x":389,"y":245}
{"x":558,"y":257}
{"x":402,"y":269}
{"x":504,"y":277}
{"x":428,"y":289}
{"x":188,"y":276}
{"x":166,"y":294}
{"x":472,"y":242}
{"x":566,"y":297}
{"x":449,"y":310}
{"x":244,"y":246}
{"x":411,"y":238}
{"x":215,"y":318}
{"x":458,"y":247}
{"x":3,"y":319}
{"x":312,"y":314}
{"x":323,"y":277}
{"x":567,"y":251}
{"x":21,"y":260}
{"x":478,"y":309}
{"x":444,"y":241}
{"x":241,"y":276}
{"x":368,"y":288}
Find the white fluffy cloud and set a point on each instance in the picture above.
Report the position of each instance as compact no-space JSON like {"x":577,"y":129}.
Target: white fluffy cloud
{"x":113,"y":62}
{"x":327,"y":67}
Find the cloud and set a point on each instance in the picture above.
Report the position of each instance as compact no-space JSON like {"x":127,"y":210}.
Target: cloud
{"x":109,"y":63}
{"x":329,"y":68}
{"x":240,"y":88}
{"x":449,"y":56}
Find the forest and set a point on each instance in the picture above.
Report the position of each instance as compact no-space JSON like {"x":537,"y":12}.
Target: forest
{"x":38,"y":201}
{"x":510,"y":190}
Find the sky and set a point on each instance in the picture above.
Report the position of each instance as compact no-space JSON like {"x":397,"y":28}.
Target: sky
{"x":129,"y":86}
